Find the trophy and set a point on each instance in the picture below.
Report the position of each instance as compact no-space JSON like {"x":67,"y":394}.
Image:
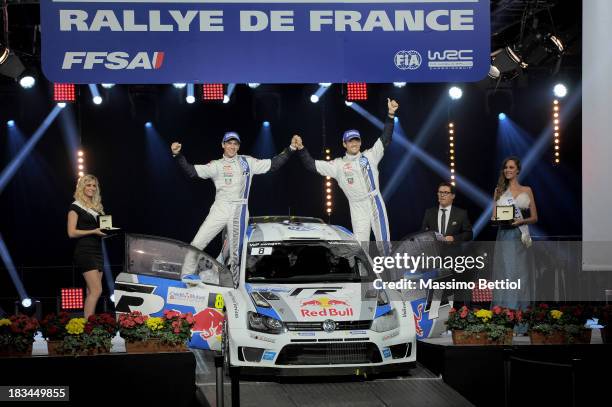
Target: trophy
{"x":504,"y":215}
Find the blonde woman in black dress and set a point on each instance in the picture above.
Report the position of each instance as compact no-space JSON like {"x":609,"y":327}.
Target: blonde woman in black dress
{"x":83,"y":226}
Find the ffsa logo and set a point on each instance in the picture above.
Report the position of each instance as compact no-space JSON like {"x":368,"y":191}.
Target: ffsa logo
{"x":113,"y":60}
{"x":450,"y":59}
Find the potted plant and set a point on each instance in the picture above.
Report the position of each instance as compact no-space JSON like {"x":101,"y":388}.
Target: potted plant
{"x":481,"y":326}
{"x":562,"y":325}
{"x":89,"y":336}
{"x":17,"y":335}
{"x":53,"y":327}
{"x":134,"y":330}
{"x":175,"y":331}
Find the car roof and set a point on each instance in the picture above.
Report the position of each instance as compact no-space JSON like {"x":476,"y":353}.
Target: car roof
{"x":292,"y":230}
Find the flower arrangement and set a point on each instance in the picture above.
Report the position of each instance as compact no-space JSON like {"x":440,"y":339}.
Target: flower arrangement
{"x":17,"y":332}
{"x":176,"y":327}
{"x":134,"y":326}
{"x":53,"y":326}
{"x":494,"y":324}
{"x":566,"y":319}
{"x":89,"y":335}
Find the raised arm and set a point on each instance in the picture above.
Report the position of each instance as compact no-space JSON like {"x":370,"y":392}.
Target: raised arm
{"x":387,"y":133}
{"x":325,"y":168}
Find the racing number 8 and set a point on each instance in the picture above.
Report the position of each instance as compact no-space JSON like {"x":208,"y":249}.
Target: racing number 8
{"x":261,"y":250}
{"x":219,"y":301}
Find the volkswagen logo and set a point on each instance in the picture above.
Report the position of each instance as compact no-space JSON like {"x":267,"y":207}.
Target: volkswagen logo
{"x":329,"y":325}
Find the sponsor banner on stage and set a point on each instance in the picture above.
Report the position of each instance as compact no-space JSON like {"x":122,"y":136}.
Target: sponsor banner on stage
{"x":291,"y":41}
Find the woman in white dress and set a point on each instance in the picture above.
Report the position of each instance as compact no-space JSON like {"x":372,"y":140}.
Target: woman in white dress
{"x":512,"y":256}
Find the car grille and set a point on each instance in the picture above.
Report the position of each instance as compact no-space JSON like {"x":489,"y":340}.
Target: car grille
{"x":318,"y":326}
{"x":329,"y":354}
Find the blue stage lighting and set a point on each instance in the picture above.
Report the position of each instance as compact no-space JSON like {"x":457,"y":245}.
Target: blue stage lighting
{"x":314,"y":98}
{"x":11,"y":123}
{"x":396,"y":119}
{"x":399,"y":85}
{"x":502,"y":116}
{"x":266,"y":124}
{"x":26,"y":302}
{"x":27,"y":82}
{"x":254,"y":85}
{"x":148,"y":125}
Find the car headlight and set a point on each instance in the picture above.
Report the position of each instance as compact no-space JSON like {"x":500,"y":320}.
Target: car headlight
{"x":385,"y":322}
{"x":262,"y":323}
{"x":259,"y":298}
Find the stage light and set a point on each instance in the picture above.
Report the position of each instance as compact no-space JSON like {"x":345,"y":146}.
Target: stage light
{"x":327,"y":157}
{"x":190,"y":98}
{"x":81,"y":167}
{"x":107,"y":85}
{"x":455,"y":93}
{"x":61,"y":105}
{"x":266,"y":124}
{"x":396,"y":119}
{"x":329,"y":203}
{"x":329,"y":211}
{"x":560,"y":90}
{"x":10,"y":64}
{"x":254,"y":85}
{"x":506,"y":63}
{"x":97,"y":100}
{"x":112,"y":298}
{"x":80,"y":153}
{"x":179,"y":85}
{"x":26,"y":302}
{"x":148,"y":125}
{"x":226,"y":99}
{"x":328,"y":184}
{"x":501,"y":116}
{"x":11,"y":123}
{"x":349,"y":104}
{"x":64,"y":92}
{"x":328,"y":190}
{"x":356,"y":91}
{"x":71,"y":298}
{"x":314,"y":98}
{"x":399,"y":84}
{"x":328,"y":177}
{"x":328,"y":196}
{"x":80,"y":160}
{"x":327,"y":151}
{"x":325,"y":84}
{"x":27,"y":82}
{"x":81,"y":173}
{"x":451,"y":148}
{"x":212,"y":91}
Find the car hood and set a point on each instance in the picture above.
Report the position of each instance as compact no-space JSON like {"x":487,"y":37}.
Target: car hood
{"x":316,"y":302}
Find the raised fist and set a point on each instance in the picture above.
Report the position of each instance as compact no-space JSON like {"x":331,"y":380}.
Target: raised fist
{"x":392,"y":105}
{"x":176,"y":148}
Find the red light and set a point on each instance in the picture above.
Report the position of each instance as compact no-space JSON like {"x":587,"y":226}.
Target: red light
{"x":64,"y":92}
{"x":72,"y":298}
{"x":356,"y":91}
{"x":212,"y":91}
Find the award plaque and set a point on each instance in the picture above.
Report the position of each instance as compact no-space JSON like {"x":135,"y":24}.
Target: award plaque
{"x":106,"y":222}
{"x":504,"y":215}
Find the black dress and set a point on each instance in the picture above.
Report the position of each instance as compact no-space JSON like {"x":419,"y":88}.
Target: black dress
{"x":88,"y":249}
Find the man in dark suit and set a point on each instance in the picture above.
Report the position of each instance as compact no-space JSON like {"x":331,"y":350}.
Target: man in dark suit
{"x":448,"y":220}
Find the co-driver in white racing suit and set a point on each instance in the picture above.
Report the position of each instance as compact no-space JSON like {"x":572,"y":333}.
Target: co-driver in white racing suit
{"x":357,"y":176}
{"x":232,"y":175}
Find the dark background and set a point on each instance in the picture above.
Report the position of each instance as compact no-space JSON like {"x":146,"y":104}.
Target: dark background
{"x":144,"y":191}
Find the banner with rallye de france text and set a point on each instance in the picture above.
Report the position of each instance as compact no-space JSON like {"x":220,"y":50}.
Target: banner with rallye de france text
{"x":265,"y":41}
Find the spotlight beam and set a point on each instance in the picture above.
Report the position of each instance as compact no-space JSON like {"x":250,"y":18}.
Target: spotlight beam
{"x":529,"y":161}
{"x":10,"y":266}
{"x":13,"y":166}
{"x":95,"y":94}
{"x":471,"y":190}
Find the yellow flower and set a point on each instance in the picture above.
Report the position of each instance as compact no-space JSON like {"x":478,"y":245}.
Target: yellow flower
{"x":75,"y":326}
{"x":5,"y":322}
{"x":155,"y":323}
{"x":484,"y":314}
{"x":556,"y":314}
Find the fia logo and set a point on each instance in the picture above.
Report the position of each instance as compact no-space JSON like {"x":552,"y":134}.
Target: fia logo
{"x":408,"y":60}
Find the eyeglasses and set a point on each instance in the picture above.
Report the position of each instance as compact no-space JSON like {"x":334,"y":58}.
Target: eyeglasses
{"x":444,"y":193}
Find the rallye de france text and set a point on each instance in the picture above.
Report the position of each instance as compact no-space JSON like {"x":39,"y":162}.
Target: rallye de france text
{"x":274,"y":20}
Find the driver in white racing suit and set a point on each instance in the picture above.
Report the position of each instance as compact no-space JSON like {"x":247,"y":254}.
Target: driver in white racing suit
{"x":357,"y":176}
{"x":232,"y":175}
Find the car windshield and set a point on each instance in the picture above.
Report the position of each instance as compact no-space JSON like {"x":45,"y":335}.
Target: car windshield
{"x":307,"y":261}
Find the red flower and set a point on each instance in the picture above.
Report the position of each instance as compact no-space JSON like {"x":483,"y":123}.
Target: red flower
{"x":464,"y":312}
{"x":177,"y":331}
{"x":497,"y":310}
{"x":510,"y":314}
{"x":519,"y":315}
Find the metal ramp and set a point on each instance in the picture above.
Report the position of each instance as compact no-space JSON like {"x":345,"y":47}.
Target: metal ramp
{"x":420,"y":388}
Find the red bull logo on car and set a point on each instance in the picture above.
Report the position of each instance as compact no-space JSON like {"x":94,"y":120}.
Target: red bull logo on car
{"x":325,"y":307}
{"x":209,"y":323}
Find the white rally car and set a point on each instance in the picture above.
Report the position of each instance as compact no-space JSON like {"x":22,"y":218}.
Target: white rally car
{"x":304,"y":302}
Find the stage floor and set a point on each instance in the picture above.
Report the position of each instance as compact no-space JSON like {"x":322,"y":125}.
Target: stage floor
{"x":421,"y":387}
